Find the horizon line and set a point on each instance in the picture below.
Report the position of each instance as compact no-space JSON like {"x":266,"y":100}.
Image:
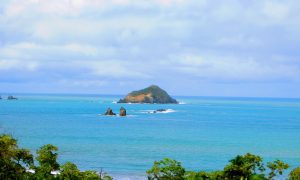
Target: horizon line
{"x":96,"y":94}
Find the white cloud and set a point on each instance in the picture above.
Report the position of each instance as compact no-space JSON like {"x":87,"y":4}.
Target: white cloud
{"x":115,"y":69}
{"x":65,"y":52}
{"x":83,"y":40}
{"x":239,"y":40}
{"x":278,"y":11}
{"x":227,"y":10}
{"x":76,"y":7}
{"x":225,"y":69}
{"x":17,"y":65}
{"x":84,"y":49}
{"x":6,"y":64}
{"x":83,"y":83}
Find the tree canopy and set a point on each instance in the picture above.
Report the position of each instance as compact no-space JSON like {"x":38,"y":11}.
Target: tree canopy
{"x":241,"y":167}
{"x":166,"y":169}
{"x":17,"y":163}
{"x":295,"y":174}
{"x":13,"y":160}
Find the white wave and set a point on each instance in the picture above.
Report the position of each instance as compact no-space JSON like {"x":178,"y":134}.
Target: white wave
{"x":114,"y":102}
{"x":166,"y":111}
{"x":182,"y":103}
{"x":117,"y":115}
{"x":130,"y":115}
{"x":107,"y":115}
{"x":147,"y":111}
{"x":158,"y":112}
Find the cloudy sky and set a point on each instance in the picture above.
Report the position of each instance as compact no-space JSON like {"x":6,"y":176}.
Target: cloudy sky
{"x":188,"y":47}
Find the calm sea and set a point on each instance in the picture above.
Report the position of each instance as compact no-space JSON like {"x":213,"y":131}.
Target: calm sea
{"x":202,"y":132}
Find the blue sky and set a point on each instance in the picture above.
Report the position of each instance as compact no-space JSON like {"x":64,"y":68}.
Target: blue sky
{"x":188,"y":47}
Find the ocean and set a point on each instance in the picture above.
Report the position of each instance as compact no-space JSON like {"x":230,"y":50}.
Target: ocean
{"x":203,"y":133}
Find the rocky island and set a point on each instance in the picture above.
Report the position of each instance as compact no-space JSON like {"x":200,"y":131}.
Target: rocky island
{"x":152,"y":95}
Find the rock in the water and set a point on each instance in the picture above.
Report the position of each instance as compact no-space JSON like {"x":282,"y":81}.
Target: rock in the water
{"x":122,"y":111}
{"x":109,"y":112}
{"x":11,"y":98}
{"x":159,"y":110}
{"x":152,"y":95}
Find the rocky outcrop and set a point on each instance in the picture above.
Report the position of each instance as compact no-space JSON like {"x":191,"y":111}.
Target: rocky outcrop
{"x":152,"y":95}
{"x":122,"y":111}
{"x":159,"y":110}
{"x":11,"y":98}
{"x":109,"y":112}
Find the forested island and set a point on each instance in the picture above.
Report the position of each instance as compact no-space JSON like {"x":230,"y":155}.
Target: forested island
{"x":152,"y":95}
{"x":18,"y":163}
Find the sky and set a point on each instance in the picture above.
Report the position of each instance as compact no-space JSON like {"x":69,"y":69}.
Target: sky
{"x":187,"y":47}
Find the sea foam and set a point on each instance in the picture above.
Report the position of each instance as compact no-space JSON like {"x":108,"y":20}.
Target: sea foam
{"x":158,"y":112}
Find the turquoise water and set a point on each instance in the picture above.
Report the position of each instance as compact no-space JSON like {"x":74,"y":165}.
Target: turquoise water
{"x":203,"y":133}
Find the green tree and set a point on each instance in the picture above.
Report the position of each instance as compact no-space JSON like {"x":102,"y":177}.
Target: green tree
{"x":166,"y":169}
{"x":104,"y":176}
{"x":13,"y":161}
{"x":214,"y":175}
{"x":47,"y":156}
{"x":243,"y":167}
{"x":93,"y":175}
{"x":196,"y":175}
{"x":69,"y":171}
{"x":90,"y":175}
{"x":276,"y":168}
{"x":295,"y":174}
{"x":257,"y":177}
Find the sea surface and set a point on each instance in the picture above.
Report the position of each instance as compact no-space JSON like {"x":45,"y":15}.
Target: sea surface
{"x":201,"y":132}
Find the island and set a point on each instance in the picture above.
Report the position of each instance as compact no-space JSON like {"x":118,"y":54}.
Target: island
{"x":151,"y":95}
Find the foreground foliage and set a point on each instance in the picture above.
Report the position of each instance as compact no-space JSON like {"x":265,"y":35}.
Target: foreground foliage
{"x":166,"y":169}
{"x":242,"y":167}
{"x":13,"y":161}
{"x":295,"y":174}
{"x":15,"y":164}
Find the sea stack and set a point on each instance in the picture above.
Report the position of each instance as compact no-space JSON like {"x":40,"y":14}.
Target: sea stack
{"x":152,"y":95}
{"x":122,"y":111}
{"x":109,"y":112}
